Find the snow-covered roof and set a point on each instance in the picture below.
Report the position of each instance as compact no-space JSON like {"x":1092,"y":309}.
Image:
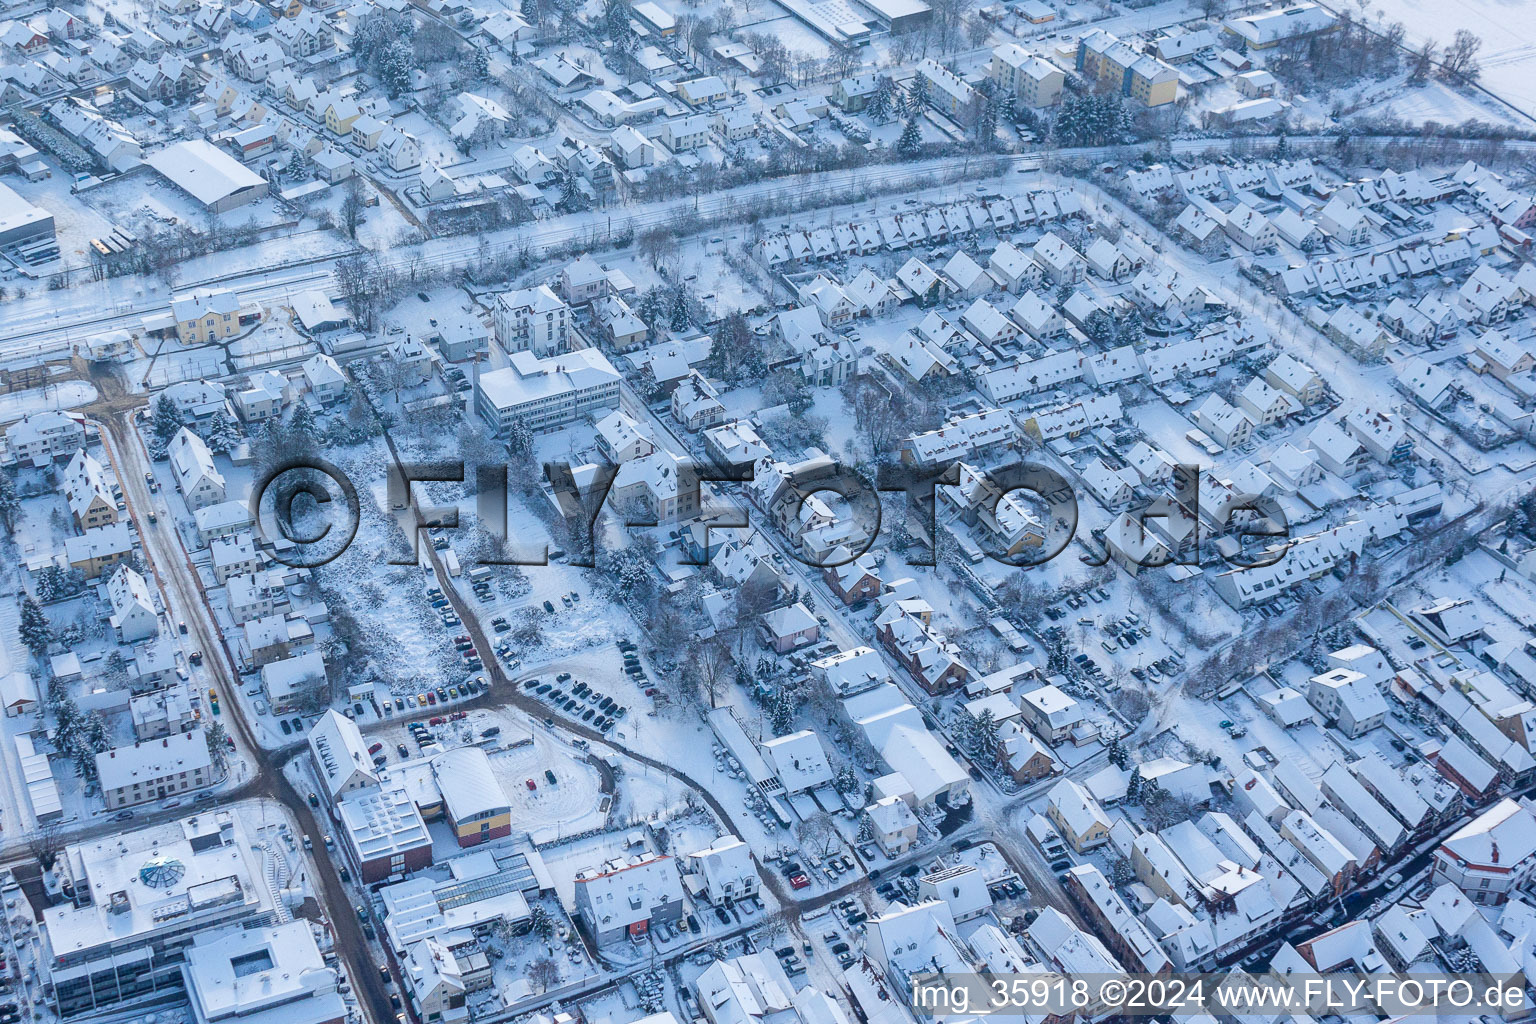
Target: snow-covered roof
{"x":204,"y":171}
{"x":799,"y":760}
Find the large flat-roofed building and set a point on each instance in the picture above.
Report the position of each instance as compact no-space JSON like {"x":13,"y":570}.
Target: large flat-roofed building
{"x":271,"y":975}
{"x":897,"y":16}
{"x":21,"y":221}
{"x":1273,"y":26}
{"x":209,"y":175}
{"x":383,"y":831}
{"x":473,"y":889}
{"x":133,"y":902}
{"x":546,"y":394}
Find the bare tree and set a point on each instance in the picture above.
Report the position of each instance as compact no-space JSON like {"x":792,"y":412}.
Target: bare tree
{"x":352,"y":206}
{"x":544,"y":973}
{"x":713,"y":667}
{"x":1460,"y":57}
{"x":45,"y":843}
{"x":819,"y":833}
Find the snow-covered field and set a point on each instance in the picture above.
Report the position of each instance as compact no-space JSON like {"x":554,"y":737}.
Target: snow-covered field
{"x":70,"y":394}
{"x":1507,"y":28}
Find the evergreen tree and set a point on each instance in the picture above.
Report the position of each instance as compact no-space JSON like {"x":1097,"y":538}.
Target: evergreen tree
{"x":1133,"y":786}
{"x":911,"y":141}
{"x":167,"y":420}
{"x":617,"y":26}
{"x":1099,"y":327}
{"x":649,"y":308}
{"x":301,"y":426}
{"x":55,"y":584}
{"x":1282,"y":148}
{"x":680,"y":317}
{"x":570,"y":192}
{"x":520,"y":440}
{"x":1131,"y":327}
{"x":1117,"y":753}
{"x":919,"y":90}
{"x":397,"y":65}
{"x":218,"y":751}
{"x":986,"y":125}
{"x":882,"y":101}
{"x":987,"y":746}
{"x":10,"y":502}
{"x":846,"y":780}
{"x":781,"y":710}
{"x":222,"y":433}
{"x":866,"y":833}
{"x":34,"y":629}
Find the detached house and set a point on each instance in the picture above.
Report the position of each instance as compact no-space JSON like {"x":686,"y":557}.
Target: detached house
{"x":92,"y":501}
{"x":133,"y":609}
{"x":1295,"y":378}
{"x":1227,"y":425}
{"x":197,"y":478}
{"x":323,"y":378}
{"x":696,"y":403}
{"x":1079,"y":818}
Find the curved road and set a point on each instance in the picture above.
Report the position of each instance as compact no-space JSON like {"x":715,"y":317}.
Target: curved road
{"x":163,"y":549}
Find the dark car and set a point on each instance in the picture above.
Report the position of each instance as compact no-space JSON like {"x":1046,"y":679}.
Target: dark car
{"x":400,"y":749}
{"x":549,"y":607}
{"x":723,"y":915}
{"x":287,"y":729}
{"x":549,"y":776}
